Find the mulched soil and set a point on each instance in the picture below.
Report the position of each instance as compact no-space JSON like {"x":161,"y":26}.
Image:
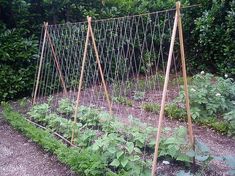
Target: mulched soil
{"x":22,"y":157}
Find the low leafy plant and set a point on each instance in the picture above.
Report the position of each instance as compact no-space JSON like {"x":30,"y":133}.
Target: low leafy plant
{"x":86,"y":137}
{"x":39,"y":112}
{"x":151,"y":107}
{"x":121,"y":154}
{"x":122,"y":100}
{"x":23,"y":102}
{"x":65,"y":106}
{"x":120,"y":145}
{"x":174,"y":112}
{"x":212,"y":96}
{"x":88,"y":116}
{"x":84,"y":162}
{"x":176,"y":146}
{"x":230,"y":118}
{"x":138,"y":95}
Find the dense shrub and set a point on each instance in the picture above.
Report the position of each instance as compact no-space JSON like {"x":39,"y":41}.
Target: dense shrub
{"x":213,"y":35}
{"x":209,"y":32}
{"x":212,"y":97}
{"x":17,"y":58}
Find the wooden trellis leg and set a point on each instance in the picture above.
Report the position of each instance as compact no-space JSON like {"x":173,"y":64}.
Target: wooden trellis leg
{"x":180,"y":28}
{"x":154,"y":165}
{"x":80,"y":82}
{"x":99,"y":65}
{"x":57,"y":64}
{"x":40,"y":63}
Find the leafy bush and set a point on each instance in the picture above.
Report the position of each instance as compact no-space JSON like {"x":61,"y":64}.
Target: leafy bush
{"x":212,"y":96}
{"x":213,"y":46}
{"x":17,"y":57}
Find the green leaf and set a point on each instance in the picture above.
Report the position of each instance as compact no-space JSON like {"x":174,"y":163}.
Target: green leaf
{"x":115,"y":163}
{"x":130,"y":147}
{"x":183,"y":157}
{"x":170,"y":140}
{"x":119,"y":154}
{"x":134,"y":158}
{"x":124,"y":161}
{"x":137,"y":150}
{"x":95,"y":147}
{"x":111,"y":150}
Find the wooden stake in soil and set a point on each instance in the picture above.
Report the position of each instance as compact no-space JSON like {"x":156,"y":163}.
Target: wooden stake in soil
{"x":100,"y":68}
{"x":180,"y":28}
{"x":154,"y":165}
{"x":80,"y":80}
{"x":89,"y":33}
{"x":57,"y":64}
{"x":40,"y":62}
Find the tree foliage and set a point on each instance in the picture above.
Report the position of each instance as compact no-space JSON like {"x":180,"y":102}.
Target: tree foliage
{"x":209,"y":32}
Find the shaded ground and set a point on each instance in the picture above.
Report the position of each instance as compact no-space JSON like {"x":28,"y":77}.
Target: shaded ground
{"x":21,"y":157}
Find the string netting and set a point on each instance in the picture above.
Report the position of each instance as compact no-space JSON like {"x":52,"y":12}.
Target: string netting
{"x":133,"y":52}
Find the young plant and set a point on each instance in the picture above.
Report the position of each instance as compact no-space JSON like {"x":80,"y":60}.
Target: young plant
{"x":151,"y":107}
{"x":65,"y":106}
{"x":230,"y":118}
{"x":39,"y":112}
{"x":122,"y":100}
{"x":138,"y":95}
{"x":174,"y":112}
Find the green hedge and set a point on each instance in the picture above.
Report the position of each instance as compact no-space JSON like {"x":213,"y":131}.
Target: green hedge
{"x":209,"y":32}
{"x":18,"y":60}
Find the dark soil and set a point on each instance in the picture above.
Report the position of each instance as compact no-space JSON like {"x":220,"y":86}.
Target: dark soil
{"x":22,"y":157}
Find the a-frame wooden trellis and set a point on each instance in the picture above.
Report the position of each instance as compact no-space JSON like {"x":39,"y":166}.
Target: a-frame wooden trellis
{"x":177,"y":22}
{"x":46,"y":37}
{"x":89,"y":35}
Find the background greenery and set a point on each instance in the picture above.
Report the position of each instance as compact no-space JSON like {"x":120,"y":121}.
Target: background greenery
{"x":209,"y":33}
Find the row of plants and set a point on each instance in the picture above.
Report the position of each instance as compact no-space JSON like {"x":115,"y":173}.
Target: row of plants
{"x":82,"y":161}
{"x":111,"y":149}
{"x":212,"y":101}
{"x":173,"y":111}
{"x":126,"y":149}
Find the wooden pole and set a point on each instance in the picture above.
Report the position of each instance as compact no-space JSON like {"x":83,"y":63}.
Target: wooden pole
{"x":154,"y":165}
{"x":180,"y":28}
{"x":99,"y":65}
{"x":40,"y":62}
{"x":57,"y":64}
{"x":81,"y":79}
